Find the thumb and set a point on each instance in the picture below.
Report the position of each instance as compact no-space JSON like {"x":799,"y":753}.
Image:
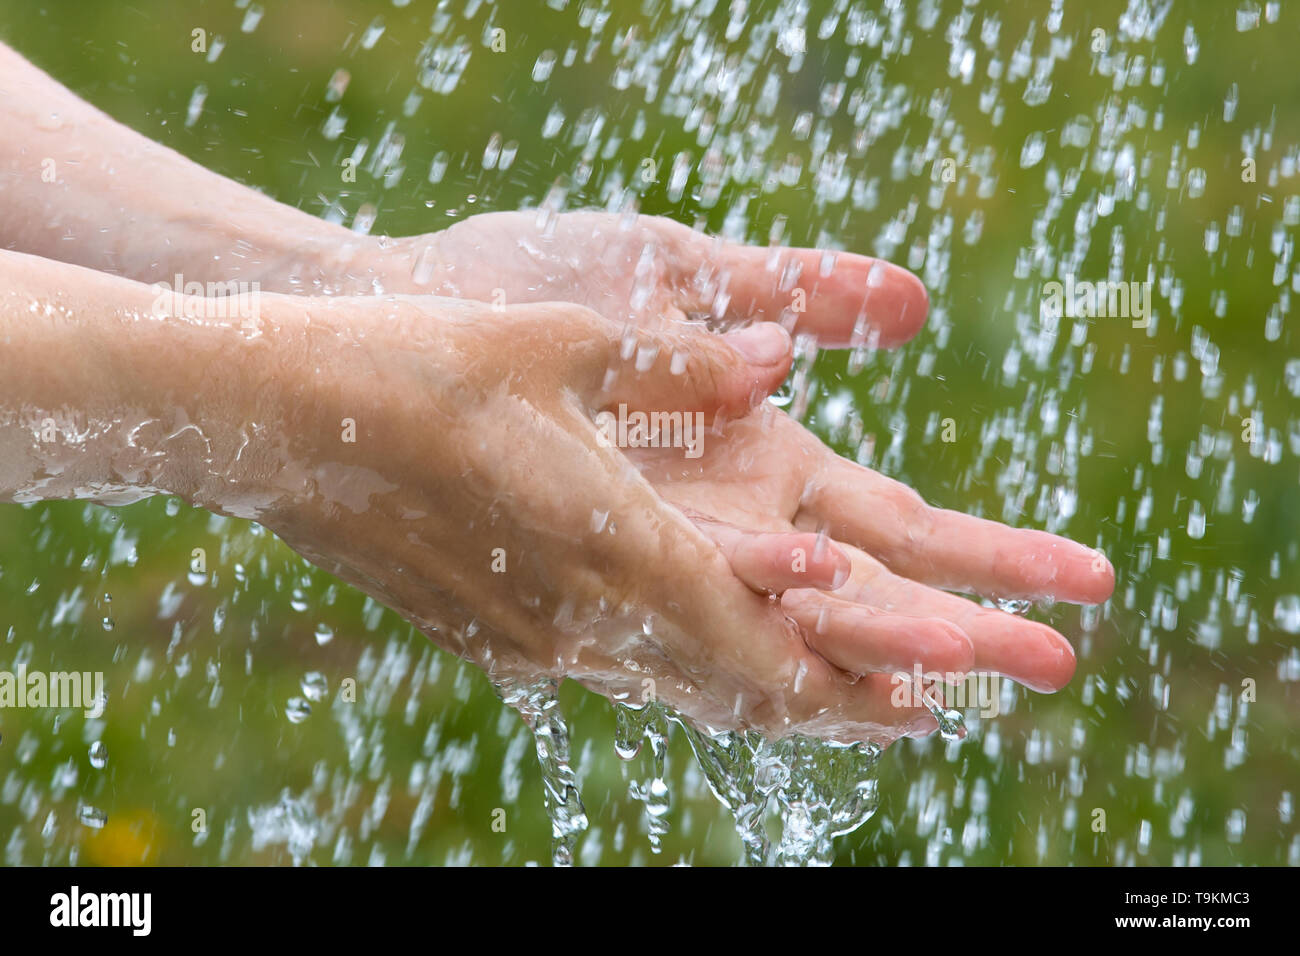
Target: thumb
{"x":690,"y":369}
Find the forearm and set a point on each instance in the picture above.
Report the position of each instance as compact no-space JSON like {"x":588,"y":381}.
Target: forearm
{"x":79,"y":187}
{"x":105,"y":395}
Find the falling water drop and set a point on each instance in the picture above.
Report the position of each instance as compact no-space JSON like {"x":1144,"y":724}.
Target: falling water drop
{"x":315,"y":686}
{"x":195,"y":108}
{"x":539,"y":707}
{"x":252,"y":17}
{"x":92,"y":817}
{"x":297,"y":710}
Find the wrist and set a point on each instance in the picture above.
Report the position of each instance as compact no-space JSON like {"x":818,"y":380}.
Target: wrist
{"x":235,"y":424}
{"x":302,"y":256}
{"x":114,"y":390}
{"x":347,"y":264}
{"x":315,"y":257}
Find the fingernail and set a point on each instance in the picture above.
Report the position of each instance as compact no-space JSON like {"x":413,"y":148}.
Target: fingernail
{"x":843,"y":568}
{"x":764,"y":343}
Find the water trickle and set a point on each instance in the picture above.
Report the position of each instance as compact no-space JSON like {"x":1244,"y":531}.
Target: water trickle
{"x":539,"y":706}
{"x":195,"y":108}
{"x":648,"y":723}
{"x":816,"y":789}
{"x":1014,"y":605}
{"x":952,"y":723}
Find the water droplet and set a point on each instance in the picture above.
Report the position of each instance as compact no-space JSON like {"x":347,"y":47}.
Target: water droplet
{"x":195,"y":108}
{"x":338,"y":85}
{"x":372,"y":34}
{"x":252,"y":17}
{"x":315,"y":686}
{"x":297,"y":710}
{"x":1286,"y":613}
{"x":92,"y":817}
{"x":544,"y":65}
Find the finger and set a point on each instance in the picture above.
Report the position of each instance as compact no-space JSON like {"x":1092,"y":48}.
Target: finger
{"x":841,"y":298}
{"x":949,"y":549}
{"x":689,"y":369}
{"x":1025,"y":651}
{"x":776,"y":561}
{"x":865,"y":640}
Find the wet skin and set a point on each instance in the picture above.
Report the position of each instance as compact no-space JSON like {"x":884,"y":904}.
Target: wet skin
{"x":766,"y":584}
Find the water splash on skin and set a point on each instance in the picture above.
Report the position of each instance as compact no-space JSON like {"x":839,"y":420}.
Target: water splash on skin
{"x":1014,"y":606}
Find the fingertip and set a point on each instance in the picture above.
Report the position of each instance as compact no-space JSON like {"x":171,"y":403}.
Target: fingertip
{"x":766,"y":352}
{"x":1089,"y":578}
{"x":763,"y":344}
{"x":1103,"y":580}
{"x":912,"y":305}
{"x":843,"y":567}
{"x":686,"y":369}
{"x":1054,"y":664}
{"x":945,"y":648}
{"x":798,"y":601}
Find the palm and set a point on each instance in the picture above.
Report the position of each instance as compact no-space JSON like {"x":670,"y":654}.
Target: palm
{"x":767,"y":473}
{"x":751,"y":475}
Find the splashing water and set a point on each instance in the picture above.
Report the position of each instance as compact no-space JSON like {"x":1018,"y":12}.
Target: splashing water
{"x":991,"y":149}
{"x":819,"y":790}
{"x":649,"y":724}
{"x":539,"y":706}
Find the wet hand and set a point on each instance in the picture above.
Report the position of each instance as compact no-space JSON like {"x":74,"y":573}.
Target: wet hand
{"x":892,"y":611}
{"x":479,"y":498}
{"x":648,"y":270}
{"x":770,"y":474}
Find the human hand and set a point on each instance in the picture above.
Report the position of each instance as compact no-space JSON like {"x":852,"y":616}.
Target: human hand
{"x":479,"y":501}
{"x":643,"y":270}
{"x":768,"y":472}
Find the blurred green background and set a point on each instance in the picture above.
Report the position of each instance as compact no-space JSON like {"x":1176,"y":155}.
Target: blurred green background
{"x":1105,"y":130}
